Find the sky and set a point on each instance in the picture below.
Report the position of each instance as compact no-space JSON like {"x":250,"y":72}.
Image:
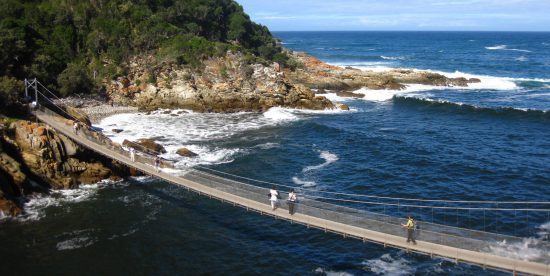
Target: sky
{"x":413,"y":15}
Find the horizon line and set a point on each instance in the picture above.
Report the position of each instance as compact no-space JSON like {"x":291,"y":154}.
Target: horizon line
{"x":419,"y":31}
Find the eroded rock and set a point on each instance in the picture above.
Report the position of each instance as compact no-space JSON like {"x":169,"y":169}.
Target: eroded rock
{"x":186,"y":152}
{"x":146,"y":145}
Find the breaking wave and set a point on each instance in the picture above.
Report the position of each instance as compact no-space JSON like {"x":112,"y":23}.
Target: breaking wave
{"x":36,"y":205}
{"x":529,"y":249}
{"x":303,"y":183}
{"x":467,"y":108}
{"x":505,"y":47}
{"x":329,"y":158}
{"x":392,"y":58}
{"x":388,"y":265}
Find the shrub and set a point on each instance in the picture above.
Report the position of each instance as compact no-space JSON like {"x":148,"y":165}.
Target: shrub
{"x":74,"y":79}
{"x":10,"y":93}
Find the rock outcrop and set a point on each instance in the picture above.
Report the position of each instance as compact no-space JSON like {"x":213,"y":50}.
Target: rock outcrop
{"x":146,"y":145}
{"x":186,"y":152}
{"x":35,"y":158}
{"x":318,"y":75}
{"x":232,"y":84}
{"x":225,"y":84}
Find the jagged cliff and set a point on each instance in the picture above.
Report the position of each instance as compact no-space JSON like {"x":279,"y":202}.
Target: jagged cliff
{"x":35,"y":158}
{"x":225,"y":84}
{"x":231,"y":83}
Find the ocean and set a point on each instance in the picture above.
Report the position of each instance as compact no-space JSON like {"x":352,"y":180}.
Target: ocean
{"x":488,"y":141}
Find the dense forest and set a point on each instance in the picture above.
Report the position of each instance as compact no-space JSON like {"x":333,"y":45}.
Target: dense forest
{"x":72,"y":45}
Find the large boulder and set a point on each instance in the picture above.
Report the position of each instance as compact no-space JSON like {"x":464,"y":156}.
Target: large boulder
{"x":347,"y":94}
{"x":342,"y":106}
{"x":146,"y":145}
{"x":186,"y":152}
{"x":78,"y":115}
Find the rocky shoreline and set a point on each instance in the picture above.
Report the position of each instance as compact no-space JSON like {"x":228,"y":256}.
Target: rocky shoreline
{"x":231,"y":84}
{"x":34,"y":158}
{"x":99,"y":112}
{"x":35,"y":153}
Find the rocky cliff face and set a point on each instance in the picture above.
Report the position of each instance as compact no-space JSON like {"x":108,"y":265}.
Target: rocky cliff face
{"x":225,"y":84}
{"x":231,"y":84}
{"x":35,"y":158}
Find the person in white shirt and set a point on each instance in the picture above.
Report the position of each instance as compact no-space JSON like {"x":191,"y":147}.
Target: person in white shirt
{"x":274,"y":198}
{"x":75,"y":128}
{"x":132,"y":154}
{"x":291,"y":201}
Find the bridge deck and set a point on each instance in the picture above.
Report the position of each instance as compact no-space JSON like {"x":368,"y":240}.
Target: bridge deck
{"x":435,"y":240}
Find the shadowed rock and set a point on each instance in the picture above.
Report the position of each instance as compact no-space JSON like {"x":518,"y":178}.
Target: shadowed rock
{"x":145,"y":145}
{"x":347,"y":94}
{"x":186,"y":152}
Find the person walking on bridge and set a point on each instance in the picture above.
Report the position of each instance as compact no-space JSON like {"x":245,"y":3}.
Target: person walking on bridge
{"x":132,"y":154}
{"x":291,"y":201}
{"x":274,"y":197}
{"x":410,"y":225}
{"x":76,"y":127}
{"x":157,"y":163}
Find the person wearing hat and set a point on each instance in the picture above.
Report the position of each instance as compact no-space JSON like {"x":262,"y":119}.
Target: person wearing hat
{"x":410,"y":229}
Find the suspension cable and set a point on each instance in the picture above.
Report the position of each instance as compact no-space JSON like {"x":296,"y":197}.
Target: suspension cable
{"x":380,"y":197}
{"x":148,"y":152}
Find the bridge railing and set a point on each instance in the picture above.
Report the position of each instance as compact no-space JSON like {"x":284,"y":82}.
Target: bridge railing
{"x":429,"y":232}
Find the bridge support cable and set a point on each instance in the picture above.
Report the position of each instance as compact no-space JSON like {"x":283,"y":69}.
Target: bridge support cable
{"x":454,"y":243}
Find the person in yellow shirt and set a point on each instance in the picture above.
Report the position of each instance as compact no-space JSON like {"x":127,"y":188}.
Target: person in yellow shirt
{"x":410,"y":229}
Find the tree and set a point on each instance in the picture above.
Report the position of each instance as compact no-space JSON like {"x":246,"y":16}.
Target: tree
{"x":74,"y":79}
{"x":10,"y":93}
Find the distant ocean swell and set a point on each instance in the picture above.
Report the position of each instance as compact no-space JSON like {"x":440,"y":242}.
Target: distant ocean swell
{"x":443,"y":105}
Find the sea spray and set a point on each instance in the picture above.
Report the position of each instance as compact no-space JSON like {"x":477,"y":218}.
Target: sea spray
{"x":327,"y":156}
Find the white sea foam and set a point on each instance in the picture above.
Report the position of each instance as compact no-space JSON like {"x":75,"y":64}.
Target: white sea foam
{"x":193,"y":131}
{"x":392,"y":58}
{"x":529,"y":249}
{"x":75,"y":243}
{"x":303,"y":183}
{"x":376,"y":66}
{"x":198,"y":132}
{"x":266,"y":146}
{"x":320,"y":270}
{"x":388,"y":265}
{"x":36,"y":204}
{"x":487,"y":82}
{"x":378,"y":95}
{"x":505,"y":47}
{"x":280,"y":114}
{"x":498,"y":47}
{"x":522,"y":59}
{"x":329,"y":158}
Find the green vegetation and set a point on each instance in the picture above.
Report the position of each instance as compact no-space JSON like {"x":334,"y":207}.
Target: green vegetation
{"x":73,"y":45}
{"x":10,"y":92}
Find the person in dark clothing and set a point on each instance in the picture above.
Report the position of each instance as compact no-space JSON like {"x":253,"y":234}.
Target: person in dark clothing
{"x":291,"y":201}
{"x":157,"y":163}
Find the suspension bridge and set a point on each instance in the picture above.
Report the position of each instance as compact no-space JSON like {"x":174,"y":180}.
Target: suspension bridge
{"x":332,"y":212}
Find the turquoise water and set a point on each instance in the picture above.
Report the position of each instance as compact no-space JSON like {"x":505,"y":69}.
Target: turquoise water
{"x":488,"y":142}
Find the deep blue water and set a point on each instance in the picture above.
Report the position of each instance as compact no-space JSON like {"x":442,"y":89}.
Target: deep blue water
{"x":489,"y":143}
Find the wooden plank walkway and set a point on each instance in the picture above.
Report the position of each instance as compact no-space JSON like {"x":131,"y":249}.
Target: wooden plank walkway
{"x":208,"y":188}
